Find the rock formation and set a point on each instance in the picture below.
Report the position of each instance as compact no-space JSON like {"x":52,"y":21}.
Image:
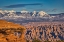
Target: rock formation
{"x":51,"y":31}
{"x":11,"y":32}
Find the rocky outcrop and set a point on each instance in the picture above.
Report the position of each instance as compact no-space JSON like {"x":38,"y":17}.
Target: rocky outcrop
{"x":51,"y":31}
{"x":11,"y":32}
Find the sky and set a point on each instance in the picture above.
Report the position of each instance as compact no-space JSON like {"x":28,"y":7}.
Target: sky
{"x":49,"y":6}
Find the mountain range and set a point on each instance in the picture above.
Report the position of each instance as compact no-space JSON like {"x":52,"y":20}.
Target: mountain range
{"x":26,"y":16}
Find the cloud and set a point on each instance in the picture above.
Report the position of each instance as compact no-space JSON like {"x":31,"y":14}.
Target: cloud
{"x":54,"y":10}
{"x":40,"y":9}
{"x":22,"y":5}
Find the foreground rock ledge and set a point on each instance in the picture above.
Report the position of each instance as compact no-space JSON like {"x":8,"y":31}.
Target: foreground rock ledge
{"x":11,"y":32}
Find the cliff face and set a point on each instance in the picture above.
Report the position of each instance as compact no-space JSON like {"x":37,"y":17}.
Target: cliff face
{"x":11,"y":32}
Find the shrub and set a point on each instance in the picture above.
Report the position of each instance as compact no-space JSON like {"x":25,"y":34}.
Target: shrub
{"x":36,"y":40}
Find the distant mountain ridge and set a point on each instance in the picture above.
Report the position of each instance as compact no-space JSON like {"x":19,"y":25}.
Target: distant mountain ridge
{"x":26,"y":16}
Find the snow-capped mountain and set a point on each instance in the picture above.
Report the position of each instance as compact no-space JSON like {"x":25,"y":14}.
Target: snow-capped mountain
{"x":24,"y":11}
{"x":29,"y":16}
{"x":42,"y":13}
{"x":34,"y":13}
{"x":23,"y":14}
{"x":5,"y":11}
{"x":2,"y":12}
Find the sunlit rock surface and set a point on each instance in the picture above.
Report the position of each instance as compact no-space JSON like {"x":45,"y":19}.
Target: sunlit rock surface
{"x":11,"y":32}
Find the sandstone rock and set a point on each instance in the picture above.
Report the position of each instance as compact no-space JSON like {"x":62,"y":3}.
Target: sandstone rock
{"x":11,"y":32}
